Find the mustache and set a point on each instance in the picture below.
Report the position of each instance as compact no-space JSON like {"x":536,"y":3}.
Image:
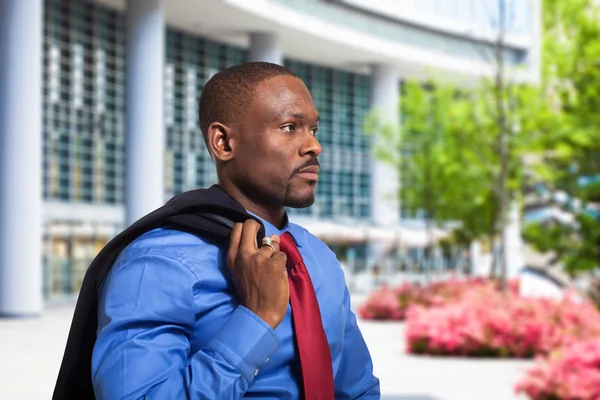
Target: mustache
{"x":309,"y":163}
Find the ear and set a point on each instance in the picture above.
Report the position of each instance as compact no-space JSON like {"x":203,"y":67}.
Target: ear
{"x":220,"y":141}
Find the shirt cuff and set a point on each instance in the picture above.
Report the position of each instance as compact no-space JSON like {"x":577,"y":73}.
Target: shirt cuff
{"x":245,"y":341}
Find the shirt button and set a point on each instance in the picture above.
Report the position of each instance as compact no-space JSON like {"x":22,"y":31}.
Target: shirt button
{"x":255,"y":372}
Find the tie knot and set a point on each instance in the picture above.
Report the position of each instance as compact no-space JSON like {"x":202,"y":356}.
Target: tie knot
{"x":288,"y":246}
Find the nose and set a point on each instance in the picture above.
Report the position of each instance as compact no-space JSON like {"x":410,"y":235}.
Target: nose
{"x":310,"y":145}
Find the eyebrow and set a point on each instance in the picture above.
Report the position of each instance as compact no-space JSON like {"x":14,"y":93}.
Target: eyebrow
{"x":298,"y":115}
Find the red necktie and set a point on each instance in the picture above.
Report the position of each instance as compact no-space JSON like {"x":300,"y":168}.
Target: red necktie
{"x":315,"y":356}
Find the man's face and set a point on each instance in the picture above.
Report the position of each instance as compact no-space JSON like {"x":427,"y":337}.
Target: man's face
{"x":276,"y":154}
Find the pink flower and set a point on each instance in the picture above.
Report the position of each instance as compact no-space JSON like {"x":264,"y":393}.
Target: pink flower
{"x":571,"y":373}
{"x":485,"y":322}
{"x":381,"y":304}
{"x":473,"y":318}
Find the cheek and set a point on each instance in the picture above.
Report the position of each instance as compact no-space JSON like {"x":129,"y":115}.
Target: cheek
{"x":277,"y":166}
{"x":266,"y":169}
{"x":270,"y":161}
{"x":276,"y":159}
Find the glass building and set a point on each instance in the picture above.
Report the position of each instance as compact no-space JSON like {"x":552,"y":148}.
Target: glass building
{"x":100,"y":59}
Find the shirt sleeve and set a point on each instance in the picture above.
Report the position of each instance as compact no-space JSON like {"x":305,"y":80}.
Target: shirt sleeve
{"x":146,"y":314}
{"x":354,"y":378}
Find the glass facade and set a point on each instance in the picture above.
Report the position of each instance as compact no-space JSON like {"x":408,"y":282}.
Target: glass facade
{"x":342,"y":99}
{"x":83,"y":103}
{"x":191,"y":61}
{"x":84,"y":129}
{"x":84,"y":116}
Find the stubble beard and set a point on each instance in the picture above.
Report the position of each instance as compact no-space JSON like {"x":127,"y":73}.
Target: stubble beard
{"x":295,"y":202}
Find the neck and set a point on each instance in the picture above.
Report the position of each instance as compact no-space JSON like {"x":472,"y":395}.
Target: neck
{"x":273,"y":214}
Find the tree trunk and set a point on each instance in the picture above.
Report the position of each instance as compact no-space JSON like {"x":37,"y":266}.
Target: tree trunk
{"x":495,"y":269}
{"x":429,"y":218}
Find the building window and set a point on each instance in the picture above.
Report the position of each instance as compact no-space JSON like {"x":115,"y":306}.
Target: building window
{"x":84,"y":94}
{"x":84,"y":129}
{"x":191,"y":61}
{"x":342,"y":100}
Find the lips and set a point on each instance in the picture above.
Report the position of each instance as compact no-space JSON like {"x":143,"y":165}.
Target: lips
{"x":311,"y":173}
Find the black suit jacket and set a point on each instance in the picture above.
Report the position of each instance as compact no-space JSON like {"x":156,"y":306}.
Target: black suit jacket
{"x":206,"y":212}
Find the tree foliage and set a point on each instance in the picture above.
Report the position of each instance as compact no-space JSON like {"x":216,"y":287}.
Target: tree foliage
{"x":449,"y":156}
{"x":450,"y":144}
{"x":571,"y":133}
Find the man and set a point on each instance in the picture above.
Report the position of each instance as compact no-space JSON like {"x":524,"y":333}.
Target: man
{"x":181,"y":316}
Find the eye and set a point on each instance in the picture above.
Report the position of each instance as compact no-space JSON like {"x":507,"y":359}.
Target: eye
{"x":289,"y":128}
{"x":314,"y":131}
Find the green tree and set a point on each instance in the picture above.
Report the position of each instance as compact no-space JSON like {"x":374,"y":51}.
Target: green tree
{"x":464,"y":148}
{"x":449,"y":149}
{"x":571,"y":133}
{"x":469,"y":150}
{"x":449,"y":179}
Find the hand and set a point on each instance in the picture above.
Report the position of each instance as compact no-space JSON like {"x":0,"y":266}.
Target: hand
{"x":259,"y":275}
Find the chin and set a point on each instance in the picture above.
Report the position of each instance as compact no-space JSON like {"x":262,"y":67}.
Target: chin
{"x":300,"y":198}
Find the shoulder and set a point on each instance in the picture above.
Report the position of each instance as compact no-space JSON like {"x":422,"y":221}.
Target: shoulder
{"x":153,"y":276}
{"x":320,"y":254}
{"x":314,"y":243}
{"x":179,"y":248}
{"x":305,"y":235}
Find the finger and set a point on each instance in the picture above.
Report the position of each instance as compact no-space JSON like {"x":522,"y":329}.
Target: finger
{"x":269,"y":251}
{"x":275,"y":241}
{"x":266,"y":251}
{"x":249,"y":232}
{"x":234,"y":243}
{"x":281,"y":257}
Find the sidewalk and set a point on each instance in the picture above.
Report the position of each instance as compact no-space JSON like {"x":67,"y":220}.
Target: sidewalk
{"x":31,"y":351}
{"x":408,"y":377}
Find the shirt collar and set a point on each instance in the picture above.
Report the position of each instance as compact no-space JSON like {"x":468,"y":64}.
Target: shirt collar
{"x":271,"y":229}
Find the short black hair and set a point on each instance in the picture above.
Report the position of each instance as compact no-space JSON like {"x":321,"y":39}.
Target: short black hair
{"x":227,"y":94}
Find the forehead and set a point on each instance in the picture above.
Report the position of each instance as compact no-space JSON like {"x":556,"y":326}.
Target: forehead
{"x":280,"y":94}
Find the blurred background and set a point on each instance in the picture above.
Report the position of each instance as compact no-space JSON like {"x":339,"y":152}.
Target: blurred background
{"x":460,"y":150}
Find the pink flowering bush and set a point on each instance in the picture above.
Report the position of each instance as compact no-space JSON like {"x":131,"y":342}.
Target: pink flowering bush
{"x":569,"y":373}
{"x":382,"y":304}
{"x":386,"y":303}
{"x":473,"y":318}
{"x":486,"y":322}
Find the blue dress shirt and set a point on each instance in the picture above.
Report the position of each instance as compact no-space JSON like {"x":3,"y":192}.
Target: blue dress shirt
{"x":170,"y":326}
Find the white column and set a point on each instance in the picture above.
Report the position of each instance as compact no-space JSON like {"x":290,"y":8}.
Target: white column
{"x":145,"y":109}
{"x":385,"y":208}
{"x":265,"y":47}
{"x":535,"y":51}
{"x":21,"y":157}
{"x":385,"y":179}
{"x":515,"y":260}
{"x":480,"y":263}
